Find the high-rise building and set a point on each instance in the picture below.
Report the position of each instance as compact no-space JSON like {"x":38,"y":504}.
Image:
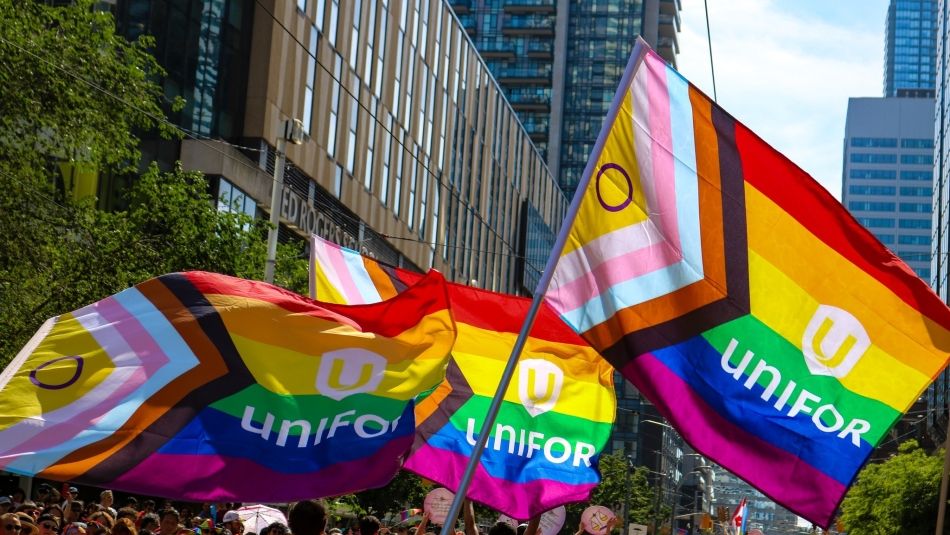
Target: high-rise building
{"x":410,"y":152}
{"x":888,"y":169}
{"x":909,"y":50}
{"x":560,"y":62}
{"x":938,"y":395}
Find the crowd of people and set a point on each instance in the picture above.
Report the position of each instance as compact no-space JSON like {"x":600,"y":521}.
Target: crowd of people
{"x":61,"y":511}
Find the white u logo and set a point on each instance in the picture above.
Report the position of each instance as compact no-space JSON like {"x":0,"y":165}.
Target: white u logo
{"x":539,"y":385}
{"x":841,"y":339}
{"x":345,"y":372}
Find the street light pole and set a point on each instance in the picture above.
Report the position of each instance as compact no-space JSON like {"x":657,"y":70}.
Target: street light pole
{"x":293,"y":132}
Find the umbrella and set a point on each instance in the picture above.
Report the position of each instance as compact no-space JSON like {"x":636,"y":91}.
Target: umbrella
{"x":256,"y":518}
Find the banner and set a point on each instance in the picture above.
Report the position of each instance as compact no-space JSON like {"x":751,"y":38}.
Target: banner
{"x":777,"y":335}
{"x":556,"y":415}
{"x":205,"y":387}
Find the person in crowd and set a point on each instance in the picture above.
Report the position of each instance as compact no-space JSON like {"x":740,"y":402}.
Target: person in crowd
{"x":170,"y":520}
{"x":10,"y":524}
{"x":501,"y":528}
{"x":232,"y":521}
{"x":123,"y":526}
{"x":70,"y":494}
{"x":48,"y":524}
{"x":149,"y":524}
{"x":126,"y":512}
{"x":75,"y":528}
{"x":6,"y":505}
{"x":27,"y":524}
{"x":73,"y":511}
{"x":18,"y":497}
{"x":275,"y":529}
{"x":102,"y":517}
{"x":105,"y":501}
{"x":307,"y":518}
{"x":55,"y":511}
{"x":43,"y":492}
{"x":132,"y":501}
{"x":29,"y":507}
{"x":369,"y":525}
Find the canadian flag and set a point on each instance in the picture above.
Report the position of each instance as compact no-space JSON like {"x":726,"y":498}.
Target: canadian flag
{"x":740,"y":516}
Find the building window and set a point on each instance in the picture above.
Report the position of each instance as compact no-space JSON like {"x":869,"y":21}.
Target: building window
{"x":869,"y":206}
{"x":411,"y":207}
{"x":334,"y":105}
{"x":381,"y":51}
{"x":311,"y":81}
{"x":334,"y":21}
{"x":872,"y":190}
{"x":873,"y":142}
{"x":370,"y":46}
{"x":370,"y":150}
{"x":876,"y":222}
{"x":859,"y":157}
{"x":387,"y":158}
{"x":355,"y":35}
{"x":338,"y":182}
{"x":397,"y":184}
{"x":913,"y":143}
{"x":321,"y":12}
{"x":914,"y":240}
{"x":302,"y":5}
{"x":423,"y":205}
{"x":351,"y":141}
{"x":916,"y":175}
{"x":915,"y":192}
{"x":232,"y":199}
{"x":917,"y":159}
{"x":915,"y":223}
{"x":888,"y":174}
{"x":920,"y":208}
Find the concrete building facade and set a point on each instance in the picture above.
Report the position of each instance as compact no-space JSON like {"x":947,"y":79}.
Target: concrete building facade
{"x":411,"y":152}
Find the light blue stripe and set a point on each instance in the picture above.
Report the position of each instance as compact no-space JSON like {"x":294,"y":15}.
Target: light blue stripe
{"x":181,"y":359}
{"x":357,"y":270}
{"x":684,"y":166}
{"x":629,"y":293}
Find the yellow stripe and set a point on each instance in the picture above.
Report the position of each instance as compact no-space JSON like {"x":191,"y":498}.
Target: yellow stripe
{"x":587,"y":390}
{"x":592,"y":220}
{"x":325,"y":291}
{"x":896,"y":328}
{"x":782,"y":305}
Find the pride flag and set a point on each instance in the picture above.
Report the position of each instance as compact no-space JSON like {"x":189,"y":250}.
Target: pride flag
{"x":205,"y":387}
{"x":775,"y":333}
{"x":556,"y":415}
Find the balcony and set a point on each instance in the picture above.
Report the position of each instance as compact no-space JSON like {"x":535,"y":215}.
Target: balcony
{"x":539,"y":102}
{"x":669,"y":25}
{"x":529,"y":25}
{"x":496,"y":50}
{"x":525,"y":76}
{"x":461,"y":7}
{"x":530,"y":6}
{"x":668,"y":47}
{"x":540,"y":50}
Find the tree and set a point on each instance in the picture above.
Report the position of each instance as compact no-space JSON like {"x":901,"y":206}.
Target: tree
{"x":405,"y":491}
{"x":899,"y":495}
{"x":619,"y":485}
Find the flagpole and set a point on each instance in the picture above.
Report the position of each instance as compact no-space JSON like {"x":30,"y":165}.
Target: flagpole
{"x":448,"y":528}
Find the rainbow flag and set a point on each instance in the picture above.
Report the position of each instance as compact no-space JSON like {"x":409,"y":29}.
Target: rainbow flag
{"x":774,"y":332}
{"x":556,"y":415}
{"x":205,"y":387}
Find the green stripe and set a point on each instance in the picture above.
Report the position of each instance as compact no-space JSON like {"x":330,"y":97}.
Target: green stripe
{"x":308,"y":407}
{"x":776,"y":351}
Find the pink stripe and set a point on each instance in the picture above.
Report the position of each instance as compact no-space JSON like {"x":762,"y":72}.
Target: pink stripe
{"x":207,"y":478}
{"x":145,"y":358}
{"x":661,"y":132}
{"x":517,"y":500}
{"x":787,"y":479}
{"x":345,"y":280}
{"x":614,"y":271}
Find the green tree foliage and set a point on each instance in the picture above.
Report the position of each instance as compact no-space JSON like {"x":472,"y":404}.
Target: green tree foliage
{"x":405,"y":491}
{"x":897,"y":496}
{"x":74,"y":92}
{"x":619,"y":485}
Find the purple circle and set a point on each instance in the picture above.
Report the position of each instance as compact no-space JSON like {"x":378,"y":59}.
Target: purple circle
{"x":626,"y":177}
{"x":73,"y":379}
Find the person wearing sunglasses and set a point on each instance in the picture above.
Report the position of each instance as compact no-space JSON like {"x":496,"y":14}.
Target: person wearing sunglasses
{"x":27,"y":524}
{"x":10,"y":524}
{"x":49,"y":524}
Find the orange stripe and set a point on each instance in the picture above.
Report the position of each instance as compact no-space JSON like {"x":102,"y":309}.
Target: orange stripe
{"x":713,"y":285}
{"x":211,"y":366}
{"x":384,"y":285}
{"x":429,"y":406}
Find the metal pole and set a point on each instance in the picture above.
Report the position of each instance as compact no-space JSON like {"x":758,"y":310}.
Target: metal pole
{"x":275,"y":196}
{"x":449,"y":527}
{"x":942,"y":504}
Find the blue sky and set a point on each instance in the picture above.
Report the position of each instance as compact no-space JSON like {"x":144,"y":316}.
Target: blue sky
{"x":785,"y":68}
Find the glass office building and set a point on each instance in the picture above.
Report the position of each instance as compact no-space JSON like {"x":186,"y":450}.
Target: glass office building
{"x":411,"y":152}
{"x":559,"y":64}
{"x":909,"y":49}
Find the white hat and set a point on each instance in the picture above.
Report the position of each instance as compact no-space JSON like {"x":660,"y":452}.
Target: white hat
{"x":231,"y":516}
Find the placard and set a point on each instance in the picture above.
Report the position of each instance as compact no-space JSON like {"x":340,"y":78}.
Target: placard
{"x":437,"y":504}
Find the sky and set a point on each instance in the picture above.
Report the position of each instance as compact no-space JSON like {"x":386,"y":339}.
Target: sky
{"x":786,"y":68}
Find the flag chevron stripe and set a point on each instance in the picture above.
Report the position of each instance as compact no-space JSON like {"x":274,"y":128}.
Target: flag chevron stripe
{"x":805,"y":200}
{"x":816,"y":497}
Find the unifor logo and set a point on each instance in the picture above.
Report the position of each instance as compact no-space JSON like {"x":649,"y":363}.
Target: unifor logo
{"x":345,"y":372}
{"x":539,"y":385}
{"x":834,"y":341}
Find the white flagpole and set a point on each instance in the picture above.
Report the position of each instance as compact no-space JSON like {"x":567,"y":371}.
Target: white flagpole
{"x":449,"y":527}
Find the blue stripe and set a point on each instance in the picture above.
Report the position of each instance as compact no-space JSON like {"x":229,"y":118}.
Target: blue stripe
{"x":684,"y":170}
{"x":698,"y":364}
{"x":516,"y":468}
{"x":214,"y":432}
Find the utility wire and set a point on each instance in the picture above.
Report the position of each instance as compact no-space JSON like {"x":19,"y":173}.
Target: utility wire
{"x":205,"y":140}
{"x":712,"y":67}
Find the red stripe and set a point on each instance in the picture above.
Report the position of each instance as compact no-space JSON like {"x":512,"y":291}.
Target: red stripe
{"x":387,"y":318}
{"x":814,"y":208}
